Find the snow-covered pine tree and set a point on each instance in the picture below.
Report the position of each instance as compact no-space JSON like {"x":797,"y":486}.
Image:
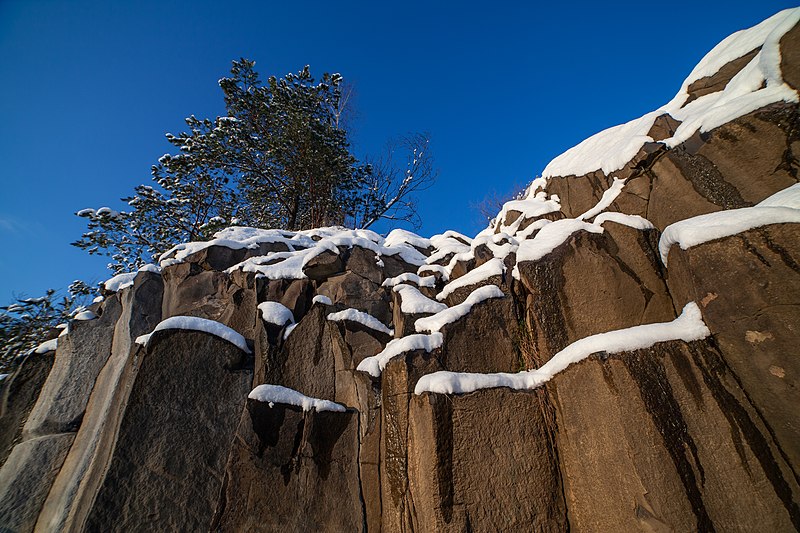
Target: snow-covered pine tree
{"x":284,"y":143}
{"x":280,"y":158}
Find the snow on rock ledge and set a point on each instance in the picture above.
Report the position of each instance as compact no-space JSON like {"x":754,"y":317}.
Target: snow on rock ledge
{"x":304,"y":246}
{"x":46,"y":346}
{"x":126,"y":279}
{"x":781,"y":207}
{"x":276,"y":313}
{"x":550,"y":237}
{"x":414,"y":302}
{"x":193,"y":323}
{"x":687,"y":327}
{"x":493,"y":267}
{"x":365,"y":319}
{"x":758,"y":84}
{"x":451,"y":314}
{"x":321,"y":299}
{"x":374,"y":365}
{"x":425,"y":281}
{"x":272,"y":394}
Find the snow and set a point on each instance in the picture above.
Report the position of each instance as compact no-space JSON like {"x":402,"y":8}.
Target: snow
{"x":354,"y":315}
{"x":150,"y":267}
{"x":303,"y":248}
{"x":126,"y":279}
{"x":687,"y":327}
{"x":440,"y":269}
{"x":281,"y":265}
{"x":782,"y":207}
{"x":493,"y":267}
{"x":634,"y":221}
{"x":536,"y":226}
{"x":374,"y":365}
{"x":98,"y":299}
{"x":351,"y":238}
{"x":608,"y":150}
{"x":500,"y":244}
{"x":736,"y":45}
{"x":760,"y":83}
{"x":705,"y":228}
{"x":450,"y":234}
{"x":289,"y":329}
{"x":272,"y":394}
{"x":194,"y":323}
{"x":552,"y":236}
{"x":401,"y":236}
{"x":427,"y":281}
{"x":531,"y":207}
{"x":46,"y":346}
{"x":276,"y":313}
{"x":444,"y":247}
{"x":321,"y":299}
{"x":447,"y":316}
{"x":119,"y":282}
{"x":3,"y":376}
{"x":715,"y":109}
{"x":609,"y":195}
{"x":107,"y":211}
{"x":85,"y":315}
{"x":236,"y":238}
{"x":414,"y":302}
{"x":788,"y":197}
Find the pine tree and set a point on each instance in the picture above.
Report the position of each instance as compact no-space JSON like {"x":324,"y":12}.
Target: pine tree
{"x":284,"y":142}
{"x":280,"y":158}
{"x":27,"y":322}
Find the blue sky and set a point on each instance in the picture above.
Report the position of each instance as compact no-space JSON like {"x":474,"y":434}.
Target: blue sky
{"x":89,"y":89}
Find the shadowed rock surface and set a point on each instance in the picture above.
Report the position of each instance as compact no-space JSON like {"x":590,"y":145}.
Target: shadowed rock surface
{"x":169,"y":460}
{"x":305,"y":464}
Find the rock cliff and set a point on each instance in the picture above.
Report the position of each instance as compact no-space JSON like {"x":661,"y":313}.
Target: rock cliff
{"x":617,"y":351}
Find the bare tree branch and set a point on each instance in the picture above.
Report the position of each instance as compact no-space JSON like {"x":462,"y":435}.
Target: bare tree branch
{"x":392,"y":187}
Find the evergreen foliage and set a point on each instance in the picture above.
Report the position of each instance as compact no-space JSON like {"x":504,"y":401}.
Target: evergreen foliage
{"x":27,"y":322}
{"x":280,"y":158}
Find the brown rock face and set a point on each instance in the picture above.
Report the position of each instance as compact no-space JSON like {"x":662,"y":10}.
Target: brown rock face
{"x":189,"y":290}
{"x":718,"y":81}
{"x":736,"y":165}
{"x":54,"y":420}
{"x":18,"y":396}
{"x":352,"y":290}
{"x":592,"y":284}
{"x":304,"y":464}
{"x":168,"y":464}
{"x":677,"y":432}
{"x":486,"y":340}
{"x":457,"y":479}
{"x":305,"y":361}
{"x":749,"y":287}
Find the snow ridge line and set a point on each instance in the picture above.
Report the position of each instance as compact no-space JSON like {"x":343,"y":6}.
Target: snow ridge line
{"x":689,"y":326}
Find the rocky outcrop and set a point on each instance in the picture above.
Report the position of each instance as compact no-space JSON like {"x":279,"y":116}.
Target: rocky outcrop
{"x":749,"y":285}
{"x":304,"y":463}
{"x":663,"y":406}
{"x":18,"y":396}
{"x":168,"y":464}
{"x":78,"y":480}
{"x":615,"y":352}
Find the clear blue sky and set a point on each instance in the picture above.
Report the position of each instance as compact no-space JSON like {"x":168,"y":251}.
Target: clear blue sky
{"x":89,"y":89}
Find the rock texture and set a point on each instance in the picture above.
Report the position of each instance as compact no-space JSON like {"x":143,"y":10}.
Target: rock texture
{"x":119,"y":432}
